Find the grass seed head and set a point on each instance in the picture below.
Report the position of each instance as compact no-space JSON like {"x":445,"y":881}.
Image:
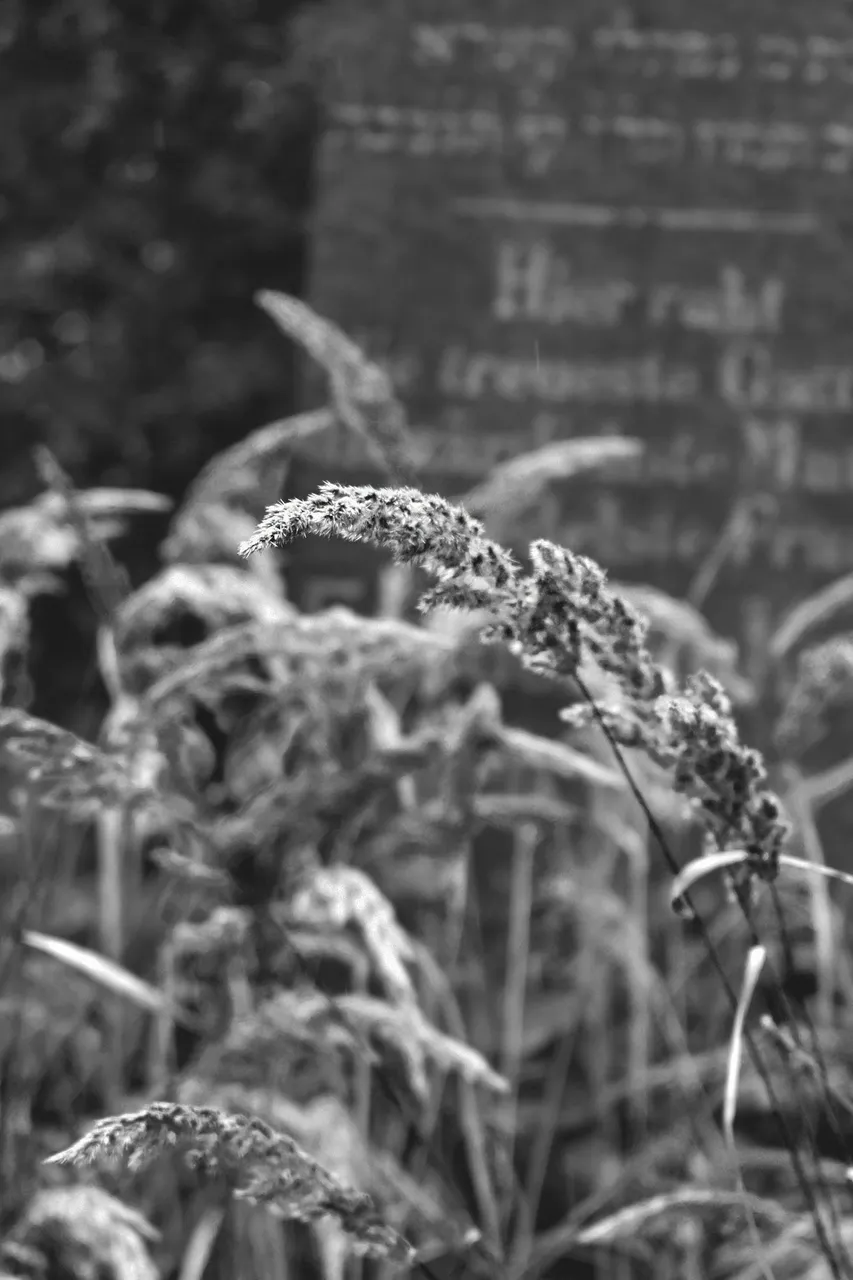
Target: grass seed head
{"x":257,"y":1162}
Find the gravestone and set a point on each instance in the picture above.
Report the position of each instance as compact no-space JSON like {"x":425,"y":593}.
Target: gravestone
{"x":555,"y":219}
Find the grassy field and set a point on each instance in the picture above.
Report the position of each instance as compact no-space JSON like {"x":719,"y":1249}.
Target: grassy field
{"x":319,"y":962}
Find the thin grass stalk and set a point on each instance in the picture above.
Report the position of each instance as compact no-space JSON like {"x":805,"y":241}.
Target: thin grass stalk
{"x":239,"y":988}
{"x":110,"y":832}
{"x":831,"y":1101}
{"x":821,"y":904}
{"x":462,"y":901}
{"x":394,"y":1138}
{"x":471,"y":1124}
{"x":11,"y":958}
{"x":676,"y":964}
{"x":447,"y":945}
{"x":457,"y":907}
{"x":546,"y":1133}
{"x":598,"y":1039}
{"x":28,"y":901}
{"x":844,"y":983}
{"x":549,"y":1244}
{"x":822,"y":927}
{"x":555,"y":1088}
{"x":782,"y":1250}
{"x":793,"y":1076}
{"x":486,"y":1245}
{"x":525,"y":842}
{"x":639,"y":1014}
{"x":639,"y":1042}
{"x":336,"y":1261}
{"x":363,"y":1087}
{"x":752,"y":972}
{"x":690,"y":1266}
{"x":815,"y":1050}
{"x":797,"y":1158}
{"x":199,"y":1247}
{"x":260,"y":1249}
{"x":364,"y":1075}
{"x":824,"y":933}
{"x":107,"y":586}
{"x":524,"y":846}
{"x":749,"y":1039}
{"x":451,"y":1014}
{"x":393,"y":591}
{"x":161,"y":1043}
{"x":732,"y":535}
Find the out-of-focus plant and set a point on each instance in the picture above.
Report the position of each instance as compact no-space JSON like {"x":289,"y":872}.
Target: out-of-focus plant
{"x":360,"y":950}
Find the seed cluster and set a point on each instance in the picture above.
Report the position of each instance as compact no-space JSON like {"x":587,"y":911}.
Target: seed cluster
{"x":258,"y":1163}
{"x":560,"y":613}
{"x":727,"y":780}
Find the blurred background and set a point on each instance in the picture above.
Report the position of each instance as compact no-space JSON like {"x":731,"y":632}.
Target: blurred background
{"x":157,"y":169}
{"x":603,"y":224}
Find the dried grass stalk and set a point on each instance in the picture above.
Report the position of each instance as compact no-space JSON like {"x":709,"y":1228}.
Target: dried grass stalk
{"x":256,"y":1162}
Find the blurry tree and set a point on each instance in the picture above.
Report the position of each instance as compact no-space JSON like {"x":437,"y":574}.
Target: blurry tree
{"x":155,"y":172}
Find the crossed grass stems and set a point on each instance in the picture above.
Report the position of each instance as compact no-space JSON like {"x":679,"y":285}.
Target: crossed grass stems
{"x":539,"y":618}
{"x":365,"y":401}
{"x":552,"y":619}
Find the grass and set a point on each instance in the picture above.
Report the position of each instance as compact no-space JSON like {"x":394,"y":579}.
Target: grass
{"x":314,"y":964}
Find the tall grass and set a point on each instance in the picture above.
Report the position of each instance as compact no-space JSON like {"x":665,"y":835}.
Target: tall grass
{"x":314,"y":962}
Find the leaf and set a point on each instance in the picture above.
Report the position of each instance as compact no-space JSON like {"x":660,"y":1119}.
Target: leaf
{"x":632,"y":1219}
{"x":813,"y":611}
{"x":514,"y":486}
{"x":323,"y":340}
{"x":829,"y":873}
{"x":106,"y":973}
{"x":754,"y":965}
{"x":361,"y":390}
{"x":697,"y":870}
{"x":711,"y":863}
{"x":115,"y":502}
{"x":638,"y":1219}
{"x":200,"y":1245}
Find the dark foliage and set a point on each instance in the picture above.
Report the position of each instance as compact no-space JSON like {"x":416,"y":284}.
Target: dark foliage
{"x":156,"y":166}
{"x":156,"y":172}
